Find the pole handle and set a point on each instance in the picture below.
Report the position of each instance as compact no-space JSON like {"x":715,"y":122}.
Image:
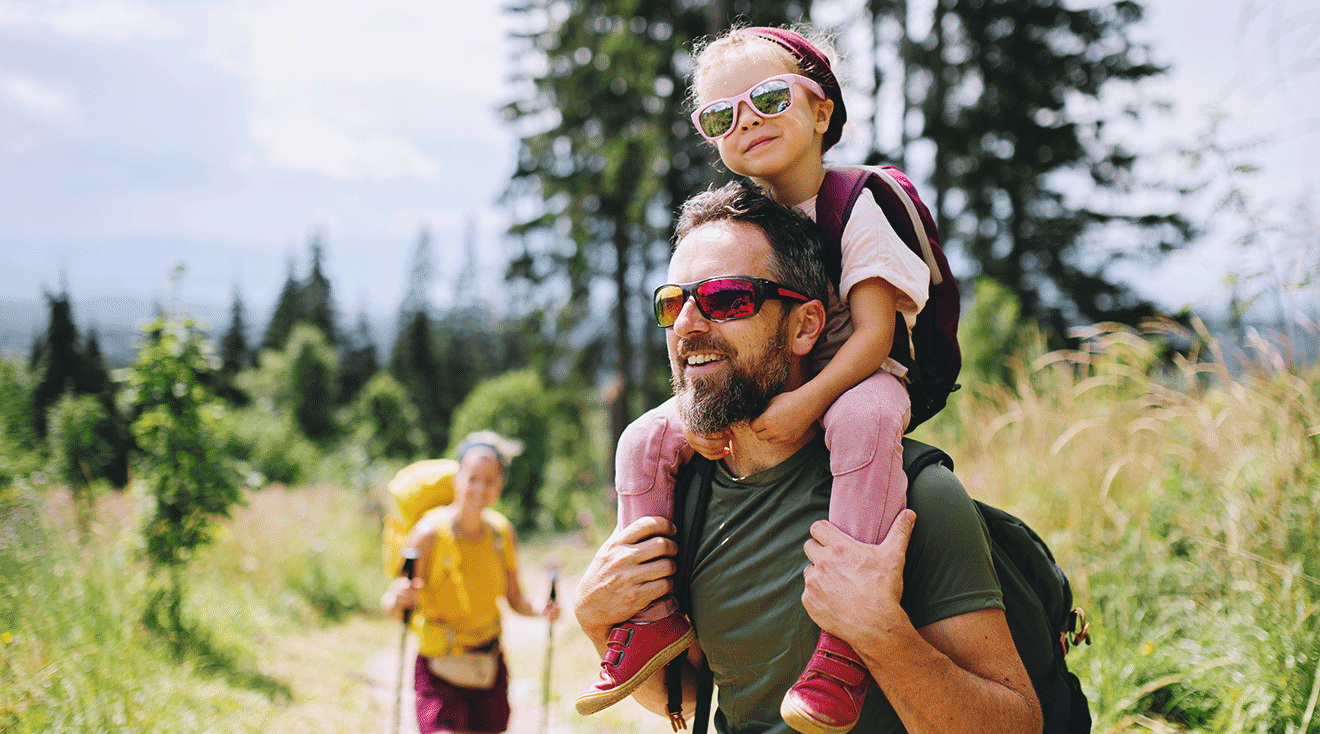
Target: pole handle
{"x":409,"y":568}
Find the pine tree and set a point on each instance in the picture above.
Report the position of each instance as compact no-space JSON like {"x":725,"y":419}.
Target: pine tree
{"x":997,"y":85}
{"x":235,"y":355}
{"x":56,"y":362}
{"x":608,"y":170}
{"x":317,"y":307}
{"x":288,"y":310}
{"x":415,"y":364}
{"x":359,"y":363}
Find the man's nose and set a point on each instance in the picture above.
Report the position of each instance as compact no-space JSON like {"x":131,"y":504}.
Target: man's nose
{"x":690,"y":320}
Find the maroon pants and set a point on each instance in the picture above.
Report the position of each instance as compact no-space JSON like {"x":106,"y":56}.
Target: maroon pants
{"x":443,"y":706}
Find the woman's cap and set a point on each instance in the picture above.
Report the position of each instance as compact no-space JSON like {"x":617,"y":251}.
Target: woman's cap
{"x":817,"y":68}
{"x":505,"y":448}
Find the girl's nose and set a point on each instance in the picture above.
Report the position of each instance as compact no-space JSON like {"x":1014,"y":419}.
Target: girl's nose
{"x":748,"y":117}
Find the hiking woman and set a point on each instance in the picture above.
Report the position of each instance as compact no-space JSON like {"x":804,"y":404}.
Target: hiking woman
{"x":466,"y":560}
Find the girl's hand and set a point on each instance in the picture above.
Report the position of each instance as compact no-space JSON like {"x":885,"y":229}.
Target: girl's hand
{"x":786,"y":420}
{"x":711,"y":447}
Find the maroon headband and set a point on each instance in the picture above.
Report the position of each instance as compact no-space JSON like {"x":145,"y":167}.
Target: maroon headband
{"x":817,"y":68}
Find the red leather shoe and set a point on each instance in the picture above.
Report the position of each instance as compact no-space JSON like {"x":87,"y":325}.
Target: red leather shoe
{"x":828,"y":697}
{"x":636,"y":650}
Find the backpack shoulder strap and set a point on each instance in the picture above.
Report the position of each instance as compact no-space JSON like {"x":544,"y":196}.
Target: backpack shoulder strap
{"x":834,"y":204}
{"x":917,"y":456}
{"x":689,"y":518}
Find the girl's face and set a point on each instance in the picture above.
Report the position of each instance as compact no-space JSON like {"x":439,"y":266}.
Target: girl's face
{"x":479,"y":480}
{"x":765,"y":148}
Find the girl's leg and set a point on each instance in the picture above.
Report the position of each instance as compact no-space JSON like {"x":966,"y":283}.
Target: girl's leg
{"x":864,"y":432}
{"x":651,"y":451}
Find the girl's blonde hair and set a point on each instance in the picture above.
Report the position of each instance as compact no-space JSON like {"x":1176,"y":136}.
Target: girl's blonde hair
{"x":710,"y":51}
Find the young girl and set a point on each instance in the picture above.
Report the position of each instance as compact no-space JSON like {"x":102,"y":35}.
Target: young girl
{"x":768,"y":100}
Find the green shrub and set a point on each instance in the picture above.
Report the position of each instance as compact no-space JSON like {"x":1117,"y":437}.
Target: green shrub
{"x":555,"y":465}
{"x":387,"y":421}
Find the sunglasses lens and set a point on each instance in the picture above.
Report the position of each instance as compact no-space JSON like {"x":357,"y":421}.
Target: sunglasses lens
{"x":668,"y":303}
{"x":727,"y":298}
{"x":716,"y":119}
{"x":773,"y":97}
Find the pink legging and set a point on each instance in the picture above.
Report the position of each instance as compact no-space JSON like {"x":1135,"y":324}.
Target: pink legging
{"x":863,"y":431}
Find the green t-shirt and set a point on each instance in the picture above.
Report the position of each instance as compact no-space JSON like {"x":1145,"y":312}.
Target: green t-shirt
{"x":747,"y":581}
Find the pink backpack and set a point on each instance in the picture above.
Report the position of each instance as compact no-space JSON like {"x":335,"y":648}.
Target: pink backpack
{"x":933,"y":370}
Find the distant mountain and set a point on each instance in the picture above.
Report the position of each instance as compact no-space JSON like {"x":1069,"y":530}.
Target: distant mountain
{"x":116,"y":319}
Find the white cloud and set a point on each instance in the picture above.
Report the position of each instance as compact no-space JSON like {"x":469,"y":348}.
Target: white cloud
{"x":35,"y":96}
{"x":357,"y":90}
{"x":106,"y":20}
{"x":309,"y":144}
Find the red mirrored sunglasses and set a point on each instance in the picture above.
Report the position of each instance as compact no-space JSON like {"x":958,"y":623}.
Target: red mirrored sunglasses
{"x":724,"y":298}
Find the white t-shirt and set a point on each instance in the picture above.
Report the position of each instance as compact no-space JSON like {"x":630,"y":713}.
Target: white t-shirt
{"x":871,"y":249}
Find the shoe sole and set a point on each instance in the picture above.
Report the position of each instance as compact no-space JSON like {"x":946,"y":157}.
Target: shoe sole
{"x":590,"y":703}
{"x":802,"y":721}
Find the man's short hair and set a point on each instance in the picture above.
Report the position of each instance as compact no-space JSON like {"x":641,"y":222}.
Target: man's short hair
{"x":795,"y":241}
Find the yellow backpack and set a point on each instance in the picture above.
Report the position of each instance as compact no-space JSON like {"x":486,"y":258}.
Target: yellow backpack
{"x":417,"y":488}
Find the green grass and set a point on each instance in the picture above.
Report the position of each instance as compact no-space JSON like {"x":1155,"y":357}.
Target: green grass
{"x":1184,"y":503}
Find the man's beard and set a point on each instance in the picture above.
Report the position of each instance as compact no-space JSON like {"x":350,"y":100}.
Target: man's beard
{"x":710,"y":405}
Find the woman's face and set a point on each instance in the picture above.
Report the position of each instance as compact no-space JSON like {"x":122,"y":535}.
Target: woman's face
{"x":479,"y":480}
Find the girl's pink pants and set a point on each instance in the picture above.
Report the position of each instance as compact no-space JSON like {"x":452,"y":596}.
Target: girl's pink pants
{"x":863,"y":431}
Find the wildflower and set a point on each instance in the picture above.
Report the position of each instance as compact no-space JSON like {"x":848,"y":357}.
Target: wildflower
{"x":1148,"y":648}
{"x":6,"y":638}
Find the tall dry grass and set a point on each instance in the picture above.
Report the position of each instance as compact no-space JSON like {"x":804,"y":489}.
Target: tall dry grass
{"x":1184,"y":500}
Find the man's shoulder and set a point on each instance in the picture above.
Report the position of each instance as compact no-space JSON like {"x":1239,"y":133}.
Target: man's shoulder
{"x":933,"y":487}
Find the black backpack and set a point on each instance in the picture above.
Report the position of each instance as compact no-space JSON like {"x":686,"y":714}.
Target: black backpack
{"x":933,"y":369}
{"x":1037,"y":598}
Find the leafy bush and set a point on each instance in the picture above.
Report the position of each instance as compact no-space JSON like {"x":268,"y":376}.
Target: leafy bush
{"x":189,"y":479}
{"x":548,"y":422}
{"x":18,"y":445}
{"x":80,"y":448}
{"x":387,"y":421}
{"x":270,"y":444}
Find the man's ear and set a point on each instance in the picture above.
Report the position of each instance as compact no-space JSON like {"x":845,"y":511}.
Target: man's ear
{"x":808,"y":325}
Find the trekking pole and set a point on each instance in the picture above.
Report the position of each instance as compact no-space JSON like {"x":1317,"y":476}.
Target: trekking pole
{"x":409,"y":561}
{"x":549,"y":648}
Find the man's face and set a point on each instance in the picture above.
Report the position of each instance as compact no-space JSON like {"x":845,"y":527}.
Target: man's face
{"x":725,"y":373}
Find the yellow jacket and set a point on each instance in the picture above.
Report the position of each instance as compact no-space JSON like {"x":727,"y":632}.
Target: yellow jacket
{"x":456,"y":609}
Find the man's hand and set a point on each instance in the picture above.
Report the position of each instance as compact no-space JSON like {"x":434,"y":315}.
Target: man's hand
{"x":853,"y":589}
{"x":632,"y":569}
{"x":712,"y":447}
{"x":787,"y":418}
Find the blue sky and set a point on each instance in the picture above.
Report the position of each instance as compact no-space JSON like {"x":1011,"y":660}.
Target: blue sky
{"x":135,"y":134}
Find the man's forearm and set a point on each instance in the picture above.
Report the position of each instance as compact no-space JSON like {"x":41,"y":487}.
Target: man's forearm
{"x":934,"y":692}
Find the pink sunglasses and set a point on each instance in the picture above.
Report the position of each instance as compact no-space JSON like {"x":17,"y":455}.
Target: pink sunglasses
{"x":770,"y":98}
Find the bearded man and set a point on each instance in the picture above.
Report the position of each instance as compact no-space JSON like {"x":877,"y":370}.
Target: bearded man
{"x":923,"y":609}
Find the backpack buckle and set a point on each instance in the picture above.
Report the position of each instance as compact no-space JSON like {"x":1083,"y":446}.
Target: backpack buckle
{"x":1071,"y":636}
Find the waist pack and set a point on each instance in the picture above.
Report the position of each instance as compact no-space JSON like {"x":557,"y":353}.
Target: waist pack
{"x":476,"y":669}
{"x":1038,"y":601}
